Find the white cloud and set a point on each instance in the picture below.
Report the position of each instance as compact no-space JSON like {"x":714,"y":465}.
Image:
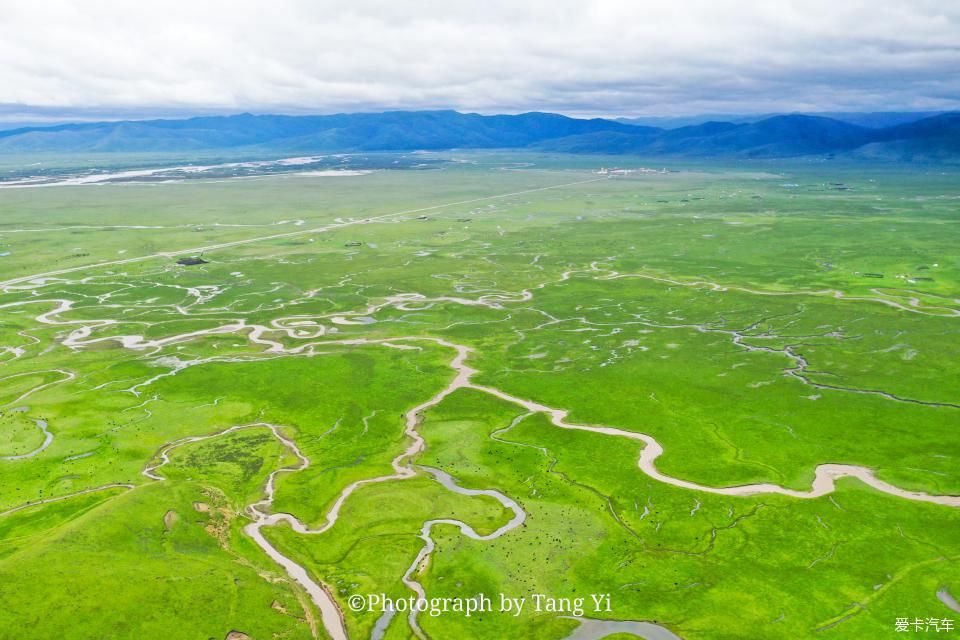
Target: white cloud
{"x":603,"y":57}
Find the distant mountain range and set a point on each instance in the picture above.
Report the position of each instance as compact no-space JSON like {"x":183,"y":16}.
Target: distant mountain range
{"x":872,"y":119}
{"x":933,"y":139}
{"x":928,"y":139}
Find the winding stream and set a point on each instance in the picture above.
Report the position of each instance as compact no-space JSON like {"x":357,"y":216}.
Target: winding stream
{"x":591,"y":629}
{"x":444,"y":478}
{"x":319,"y":593}
{"x":47,"y":438}
{"x":946,"y":598}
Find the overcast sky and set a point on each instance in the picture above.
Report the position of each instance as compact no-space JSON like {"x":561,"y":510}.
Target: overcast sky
{"x":95,"y":58}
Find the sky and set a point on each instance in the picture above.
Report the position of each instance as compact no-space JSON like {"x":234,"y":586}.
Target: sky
{"x":96,"y":59}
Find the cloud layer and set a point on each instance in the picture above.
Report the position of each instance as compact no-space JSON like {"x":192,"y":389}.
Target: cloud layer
{"x":606,"y":57}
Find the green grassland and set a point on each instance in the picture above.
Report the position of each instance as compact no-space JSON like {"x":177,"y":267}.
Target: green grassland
{"x":757,"y":320}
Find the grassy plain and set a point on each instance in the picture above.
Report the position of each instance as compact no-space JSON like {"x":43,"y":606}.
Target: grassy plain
{"x":757,"y":321}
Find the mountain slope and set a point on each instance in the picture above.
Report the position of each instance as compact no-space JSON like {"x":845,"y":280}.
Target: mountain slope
{"x":784,"y":136}
{"x":779,"y":136}
{"x":935,"y":139}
